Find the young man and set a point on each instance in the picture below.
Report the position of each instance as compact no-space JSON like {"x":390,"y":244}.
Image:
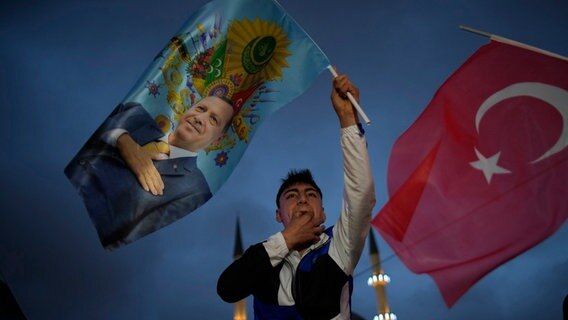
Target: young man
{"x":304,"y":271}
{"x":133,"y":186}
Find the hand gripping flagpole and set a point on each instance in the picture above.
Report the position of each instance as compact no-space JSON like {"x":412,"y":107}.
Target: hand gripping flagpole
{"x":353,"y":101}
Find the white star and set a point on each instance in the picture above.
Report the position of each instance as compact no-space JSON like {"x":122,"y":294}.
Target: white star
{"x":488,"y":165}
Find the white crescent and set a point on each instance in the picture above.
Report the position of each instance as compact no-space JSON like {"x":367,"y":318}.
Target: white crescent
{"x":555,"y":96}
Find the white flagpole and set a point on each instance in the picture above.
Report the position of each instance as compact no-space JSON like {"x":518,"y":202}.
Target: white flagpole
{"x":512,"y":42}
{"x":353,"y":101}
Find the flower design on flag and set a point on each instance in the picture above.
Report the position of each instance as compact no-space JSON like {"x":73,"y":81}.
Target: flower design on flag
{"x":153,"y":88}
{"x":198,"y":66}
{"x":221,"y":88}
{"x":164,"y":123}
{"x":221,"y":158}
{"x":258,"y":50}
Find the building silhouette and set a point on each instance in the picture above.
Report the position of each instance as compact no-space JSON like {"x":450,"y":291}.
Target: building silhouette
{"x":240,"y":306}
{"x":379,"y":281}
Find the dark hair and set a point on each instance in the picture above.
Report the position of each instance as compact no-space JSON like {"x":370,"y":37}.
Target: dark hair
{"x":227,"y":100}
{"x":294,"y":177}
{"x":230,"y":103}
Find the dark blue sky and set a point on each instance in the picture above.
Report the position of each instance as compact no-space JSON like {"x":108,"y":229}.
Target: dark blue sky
{"x":66,"y":64}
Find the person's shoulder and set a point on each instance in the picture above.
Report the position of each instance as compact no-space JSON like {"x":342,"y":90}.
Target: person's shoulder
{"x":130,"y":107}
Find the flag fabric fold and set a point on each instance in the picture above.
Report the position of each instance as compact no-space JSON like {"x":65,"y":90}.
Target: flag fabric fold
{"x":482,"y":175}
{"x":249,"y":53}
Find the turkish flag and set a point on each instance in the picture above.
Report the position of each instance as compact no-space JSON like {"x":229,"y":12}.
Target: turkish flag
{"x":482,"y":175}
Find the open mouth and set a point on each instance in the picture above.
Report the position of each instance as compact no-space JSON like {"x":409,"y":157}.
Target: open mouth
{"x":303,"y":211}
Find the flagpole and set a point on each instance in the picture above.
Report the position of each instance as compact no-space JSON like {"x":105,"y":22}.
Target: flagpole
{"x":353,"y":101}
{"x":512,"y":42}
{"x":475,"y":31}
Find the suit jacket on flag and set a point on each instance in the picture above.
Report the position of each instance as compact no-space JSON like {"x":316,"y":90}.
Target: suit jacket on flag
{"x":120,"y":208}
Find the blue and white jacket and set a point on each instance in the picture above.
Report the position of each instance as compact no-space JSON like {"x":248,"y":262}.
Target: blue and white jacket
{"x":316,"y":284}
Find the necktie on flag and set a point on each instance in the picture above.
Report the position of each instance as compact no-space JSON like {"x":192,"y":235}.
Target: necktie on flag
{"x":249,"y":53}
{"x":482,"y":175}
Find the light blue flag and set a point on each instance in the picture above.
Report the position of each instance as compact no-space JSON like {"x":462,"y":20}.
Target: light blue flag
{"x":182,"y":129}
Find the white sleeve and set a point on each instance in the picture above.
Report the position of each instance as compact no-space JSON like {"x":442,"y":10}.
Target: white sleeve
{"x":276,"y":248}
{"x":353,"y":225}
{"x":111,"y":137}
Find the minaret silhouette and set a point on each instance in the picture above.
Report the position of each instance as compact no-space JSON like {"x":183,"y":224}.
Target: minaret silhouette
{"x":379,"y":280}
{"x":240,"y":306}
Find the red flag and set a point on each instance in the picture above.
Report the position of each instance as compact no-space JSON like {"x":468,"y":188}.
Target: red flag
{"x":482,"y":175}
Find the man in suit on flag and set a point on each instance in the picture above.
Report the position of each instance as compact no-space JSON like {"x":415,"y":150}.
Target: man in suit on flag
{"x":134,"y":179}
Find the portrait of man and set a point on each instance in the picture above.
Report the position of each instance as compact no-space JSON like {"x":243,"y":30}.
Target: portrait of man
{"x":135,"y":179}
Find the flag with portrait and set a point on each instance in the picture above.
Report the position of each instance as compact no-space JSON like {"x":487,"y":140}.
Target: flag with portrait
{"x":250,"y":54}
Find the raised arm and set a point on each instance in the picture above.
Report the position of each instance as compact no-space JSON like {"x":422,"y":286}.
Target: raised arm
{"x":353,"y":225}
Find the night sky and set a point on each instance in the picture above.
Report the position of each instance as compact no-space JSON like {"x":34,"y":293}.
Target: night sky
{"x":66,"y":64}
